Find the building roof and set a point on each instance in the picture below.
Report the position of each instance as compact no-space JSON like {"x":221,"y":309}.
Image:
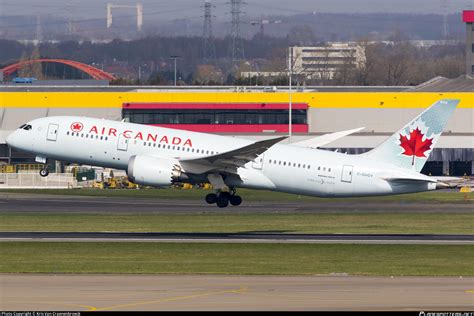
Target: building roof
{"x":106,"y":88}
{"x":441,"y":84}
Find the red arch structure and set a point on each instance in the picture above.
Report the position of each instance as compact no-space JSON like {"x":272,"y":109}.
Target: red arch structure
{"x":95,"y":73}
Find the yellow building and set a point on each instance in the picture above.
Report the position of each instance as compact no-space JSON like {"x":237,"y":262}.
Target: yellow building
{"x":381,"y":111}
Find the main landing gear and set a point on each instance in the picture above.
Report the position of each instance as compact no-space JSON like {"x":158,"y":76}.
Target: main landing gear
{"x":222,"y":199}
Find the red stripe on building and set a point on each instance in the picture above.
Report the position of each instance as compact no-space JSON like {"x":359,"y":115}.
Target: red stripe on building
{"x":237,"y":128}
{"x":216,"y":106}
{"x":468,"y":16}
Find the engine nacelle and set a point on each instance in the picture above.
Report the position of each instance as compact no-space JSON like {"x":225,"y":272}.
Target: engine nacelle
{"x":154,"y":171}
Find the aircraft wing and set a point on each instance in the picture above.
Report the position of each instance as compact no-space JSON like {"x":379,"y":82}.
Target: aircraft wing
{"x":230,"y":159}
{"x":319,"y":141}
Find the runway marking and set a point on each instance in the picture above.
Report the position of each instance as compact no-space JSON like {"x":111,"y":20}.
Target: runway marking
{"x":172,"y":299}
{"x":470,"y":291}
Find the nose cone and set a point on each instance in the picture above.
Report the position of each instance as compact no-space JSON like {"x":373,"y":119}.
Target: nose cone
{"x":11,"y":139}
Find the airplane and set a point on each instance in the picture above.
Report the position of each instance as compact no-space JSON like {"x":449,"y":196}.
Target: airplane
{"x":159,"y":157}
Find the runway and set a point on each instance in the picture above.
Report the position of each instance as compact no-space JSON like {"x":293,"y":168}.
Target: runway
{"x":19,"y":202}
{"x":27,"y":292}
{"x":247,"y":237}
{"x":69,"y":292}
{"x":33,"y":203}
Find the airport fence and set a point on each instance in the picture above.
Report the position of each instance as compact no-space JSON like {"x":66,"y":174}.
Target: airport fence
{"x":35,"y":181}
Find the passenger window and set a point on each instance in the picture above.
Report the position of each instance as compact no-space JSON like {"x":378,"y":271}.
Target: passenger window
{"x":299,"y":165}
{"x":309,"y":167}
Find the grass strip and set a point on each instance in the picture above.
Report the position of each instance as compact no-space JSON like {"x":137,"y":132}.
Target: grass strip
{"x":250,"y":195}
{"x":248,"y":259}
{"x":364,"y":223}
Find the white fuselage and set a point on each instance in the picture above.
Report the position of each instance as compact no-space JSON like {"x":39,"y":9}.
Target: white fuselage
{"x":284,"y":168}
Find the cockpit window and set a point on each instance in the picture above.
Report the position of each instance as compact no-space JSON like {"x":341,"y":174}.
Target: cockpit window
{"x":21,"y":127}
{"x":27,"y":127}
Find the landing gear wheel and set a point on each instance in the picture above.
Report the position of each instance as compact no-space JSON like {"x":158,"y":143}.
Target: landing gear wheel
{"x":222,"y":201}
{"x":211,"y":198}
{"x":235,"y":200}
{"x":44,"y":172}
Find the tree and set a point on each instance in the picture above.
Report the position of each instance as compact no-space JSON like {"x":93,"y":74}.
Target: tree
{"x":156,"y":80}
{"x":207,"y":73}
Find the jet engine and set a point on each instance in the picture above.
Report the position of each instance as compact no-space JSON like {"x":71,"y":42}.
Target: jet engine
{"x":154,"y":171}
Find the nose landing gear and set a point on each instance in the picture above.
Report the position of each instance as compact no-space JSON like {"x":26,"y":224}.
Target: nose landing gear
{"x":44,"y":172}
{"x":222,"y":199}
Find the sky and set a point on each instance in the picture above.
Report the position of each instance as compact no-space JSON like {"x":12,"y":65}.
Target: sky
{"x":174,"y":9}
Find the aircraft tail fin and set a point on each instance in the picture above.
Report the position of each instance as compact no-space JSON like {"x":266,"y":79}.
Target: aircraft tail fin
{"x":411,"y":146}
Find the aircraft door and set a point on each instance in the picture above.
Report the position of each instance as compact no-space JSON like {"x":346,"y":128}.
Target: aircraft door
{"x":258,"y":162}
{"x":52,"y":132}
{"x":347,"y":174}
{"x":122,"y":143}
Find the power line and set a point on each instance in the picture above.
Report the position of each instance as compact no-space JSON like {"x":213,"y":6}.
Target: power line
{"x":209,"y":46}
{"x":444,"y":9}
{"x":237,"y":44}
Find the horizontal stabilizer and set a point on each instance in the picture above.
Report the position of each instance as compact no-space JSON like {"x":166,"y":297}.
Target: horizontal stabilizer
{"x":405,"y":180}
{"x":403,"y":177}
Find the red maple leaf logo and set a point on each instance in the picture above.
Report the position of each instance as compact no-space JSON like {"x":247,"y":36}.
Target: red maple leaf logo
{"x":77,"y":127}
{"x":415,"y":145}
